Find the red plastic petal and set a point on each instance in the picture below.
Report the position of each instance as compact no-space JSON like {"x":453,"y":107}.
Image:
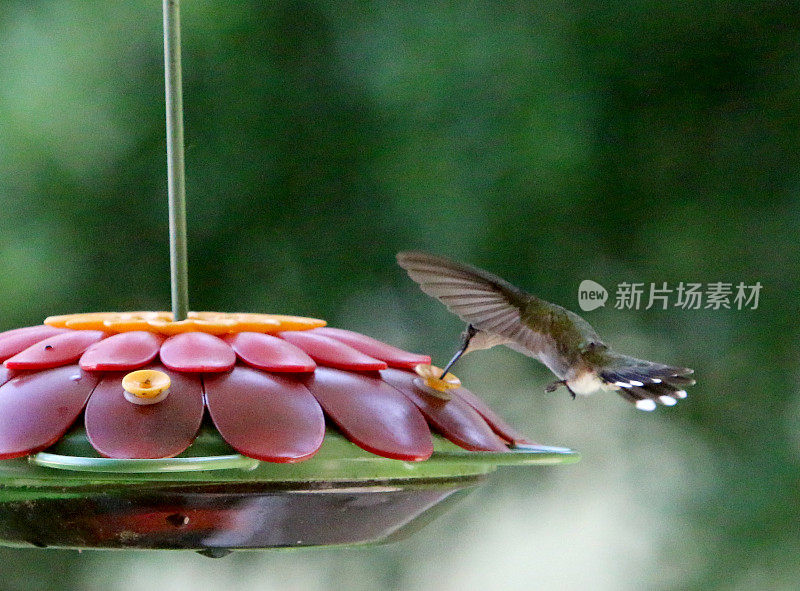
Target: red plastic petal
{"x":55,"y":351}
{"x":37,"y":409}
{"x":372,"y":414}
{"x":122,"y":352}
{"x":120,"y":429}
{"x":270,"y":353}
{"x":500,"y":427}
{"x":197,"y":352}
{"x":332,"y":353}
{"x":455,"y":419}
{"x":374,"y":348}
{"x":270,"y":418}
{"x":19,"y":339}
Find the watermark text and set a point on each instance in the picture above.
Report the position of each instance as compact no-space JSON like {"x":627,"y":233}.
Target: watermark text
{"x":717,"y":295}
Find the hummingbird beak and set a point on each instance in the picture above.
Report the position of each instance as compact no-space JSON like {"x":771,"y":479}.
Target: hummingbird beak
{"x":467,"y":336}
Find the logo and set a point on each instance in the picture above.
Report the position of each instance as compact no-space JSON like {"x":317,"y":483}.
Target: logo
{"x":714,"y":295}
{"x":591,"y":295}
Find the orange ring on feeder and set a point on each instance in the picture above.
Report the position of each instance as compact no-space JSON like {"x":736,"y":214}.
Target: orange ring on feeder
{"x":216,"y":323}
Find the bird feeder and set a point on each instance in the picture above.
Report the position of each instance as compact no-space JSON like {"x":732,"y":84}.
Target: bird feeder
{"x":218,"y":431}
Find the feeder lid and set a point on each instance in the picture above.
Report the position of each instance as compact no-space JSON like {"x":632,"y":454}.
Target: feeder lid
{"x":276,"y":387}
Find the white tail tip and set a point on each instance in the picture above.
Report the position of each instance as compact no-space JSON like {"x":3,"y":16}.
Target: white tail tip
{"x":647,"y":404}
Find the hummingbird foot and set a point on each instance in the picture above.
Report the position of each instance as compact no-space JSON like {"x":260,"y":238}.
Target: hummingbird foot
{"x":553,"y":386}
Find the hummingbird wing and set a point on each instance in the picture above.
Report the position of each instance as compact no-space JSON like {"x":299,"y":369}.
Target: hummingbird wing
{"x":476,"y":296}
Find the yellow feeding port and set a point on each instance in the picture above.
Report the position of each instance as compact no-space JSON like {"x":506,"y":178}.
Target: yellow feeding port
{"x":146,"y":386}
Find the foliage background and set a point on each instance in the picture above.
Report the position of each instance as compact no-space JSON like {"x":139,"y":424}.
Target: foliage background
{"x":547,"y":141}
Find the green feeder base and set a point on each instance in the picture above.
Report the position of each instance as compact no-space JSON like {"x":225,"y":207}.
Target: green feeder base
{"x":212,"y":500}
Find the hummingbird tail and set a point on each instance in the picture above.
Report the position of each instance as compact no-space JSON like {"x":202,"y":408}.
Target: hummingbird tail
{"x":645,"y":383}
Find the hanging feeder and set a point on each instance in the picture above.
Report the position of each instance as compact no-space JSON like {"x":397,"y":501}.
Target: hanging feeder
{"x":214,"y":431}
{"x":312,"y":435}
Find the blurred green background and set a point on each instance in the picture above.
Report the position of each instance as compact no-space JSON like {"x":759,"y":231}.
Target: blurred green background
{"x":549,"y":142}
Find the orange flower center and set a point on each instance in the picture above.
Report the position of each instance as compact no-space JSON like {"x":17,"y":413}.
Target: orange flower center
{"x":431,"y":375}
{"x":146,"y":383}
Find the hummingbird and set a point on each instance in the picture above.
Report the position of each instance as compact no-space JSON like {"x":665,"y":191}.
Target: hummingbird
{"x":498,"y":313}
